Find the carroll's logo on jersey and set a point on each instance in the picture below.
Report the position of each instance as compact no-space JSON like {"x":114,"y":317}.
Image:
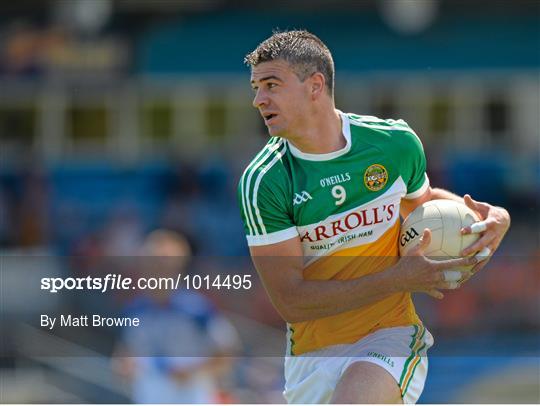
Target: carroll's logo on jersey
{"x":375,"y":177}
{"x":300,"y":198}
{"x":355,"y":219}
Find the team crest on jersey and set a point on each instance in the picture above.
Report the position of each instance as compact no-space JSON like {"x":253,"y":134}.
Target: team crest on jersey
{"x":375,"y":177}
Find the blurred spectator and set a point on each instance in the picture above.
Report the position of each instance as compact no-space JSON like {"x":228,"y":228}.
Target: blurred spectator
{"x":21,"y":50}
{"x":28,"y":50}
{"x":179,"y":351}
{"x":123,"y":235}
{"x":6,"y":218}
{"x":183,"y":196}
{"x":34,"y":209}
{"x":201,"y":204}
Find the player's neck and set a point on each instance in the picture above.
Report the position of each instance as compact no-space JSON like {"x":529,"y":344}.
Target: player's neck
{"x":322,"y":135}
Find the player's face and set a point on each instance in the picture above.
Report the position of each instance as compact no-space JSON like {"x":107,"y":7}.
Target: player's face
{"x":280,"y":97}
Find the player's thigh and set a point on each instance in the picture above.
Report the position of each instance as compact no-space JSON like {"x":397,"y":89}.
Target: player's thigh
{"x":366,"y":382}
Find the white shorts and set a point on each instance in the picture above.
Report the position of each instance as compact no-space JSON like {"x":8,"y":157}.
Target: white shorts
{"x":312,"y":377}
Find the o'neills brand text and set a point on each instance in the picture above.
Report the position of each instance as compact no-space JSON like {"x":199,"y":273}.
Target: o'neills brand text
{"x":334,"y":180}
{"x":351,"y":221}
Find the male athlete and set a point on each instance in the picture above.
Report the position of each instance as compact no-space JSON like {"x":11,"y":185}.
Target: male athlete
{"x":321,"y":205}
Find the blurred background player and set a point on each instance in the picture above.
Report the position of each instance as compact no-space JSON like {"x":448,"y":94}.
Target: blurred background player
{"x":183,"y":346}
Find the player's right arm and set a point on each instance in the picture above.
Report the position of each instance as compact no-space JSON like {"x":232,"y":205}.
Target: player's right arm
{"x":280,"y":267}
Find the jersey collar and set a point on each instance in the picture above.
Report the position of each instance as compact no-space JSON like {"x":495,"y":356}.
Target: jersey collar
{"x":345,"y":130}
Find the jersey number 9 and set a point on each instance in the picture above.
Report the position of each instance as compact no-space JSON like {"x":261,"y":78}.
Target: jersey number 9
{"x":338,"y":192}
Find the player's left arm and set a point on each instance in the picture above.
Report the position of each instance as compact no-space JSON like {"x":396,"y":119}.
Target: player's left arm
{"x":408,"y":205}
{"x":494,"y":221}
{"x":493,"y":225}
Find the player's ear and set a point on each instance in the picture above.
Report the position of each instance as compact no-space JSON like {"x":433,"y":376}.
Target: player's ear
{"x":317,"y":82}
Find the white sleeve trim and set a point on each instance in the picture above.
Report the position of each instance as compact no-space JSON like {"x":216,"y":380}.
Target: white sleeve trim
{"x":420,"y":191}
{"x":272,"y":238}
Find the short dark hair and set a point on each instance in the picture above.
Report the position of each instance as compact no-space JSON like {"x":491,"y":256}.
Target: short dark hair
{"x":303,"y":51}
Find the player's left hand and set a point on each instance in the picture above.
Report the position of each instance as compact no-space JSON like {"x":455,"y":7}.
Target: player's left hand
{"x":493,"y":225}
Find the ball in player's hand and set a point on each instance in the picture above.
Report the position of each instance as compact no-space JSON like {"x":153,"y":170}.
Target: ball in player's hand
{"x":445,"y":219}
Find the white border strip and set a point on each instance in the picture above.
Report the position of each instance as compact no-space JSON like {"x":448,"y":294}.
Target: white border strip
{"x":278,"y":156}
{"x":346,"y":131}
{"x":419,"y":192}
{"x":272,"y":238}
{"x":252,"y":168}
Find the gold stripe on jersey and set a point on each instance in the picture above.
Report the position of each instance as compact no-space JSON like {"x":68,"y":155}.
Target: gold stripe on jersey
{"x":348,"y":327}
{"x":361,"y":226}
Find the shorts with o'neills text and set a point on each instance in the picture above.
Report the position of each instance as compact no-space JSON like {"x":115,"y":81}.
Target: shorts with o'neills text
{"x":402,"y":351}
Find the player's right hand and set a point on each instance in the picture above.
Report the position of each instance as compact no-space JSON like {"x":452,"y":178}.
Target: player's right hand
{"x":417,"y":273}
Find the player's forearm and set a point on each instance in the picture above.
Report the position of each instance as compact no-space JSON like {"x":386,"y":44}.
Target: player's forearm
{"x":313,"y":299}
{"x":437,"y":193}
{"x":408,"y":205}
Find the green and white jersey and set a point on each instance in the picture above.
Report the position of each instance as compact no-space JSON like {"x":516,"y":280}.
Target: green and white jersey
{"x":342,"y":204}
{"x":343,"y":199}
